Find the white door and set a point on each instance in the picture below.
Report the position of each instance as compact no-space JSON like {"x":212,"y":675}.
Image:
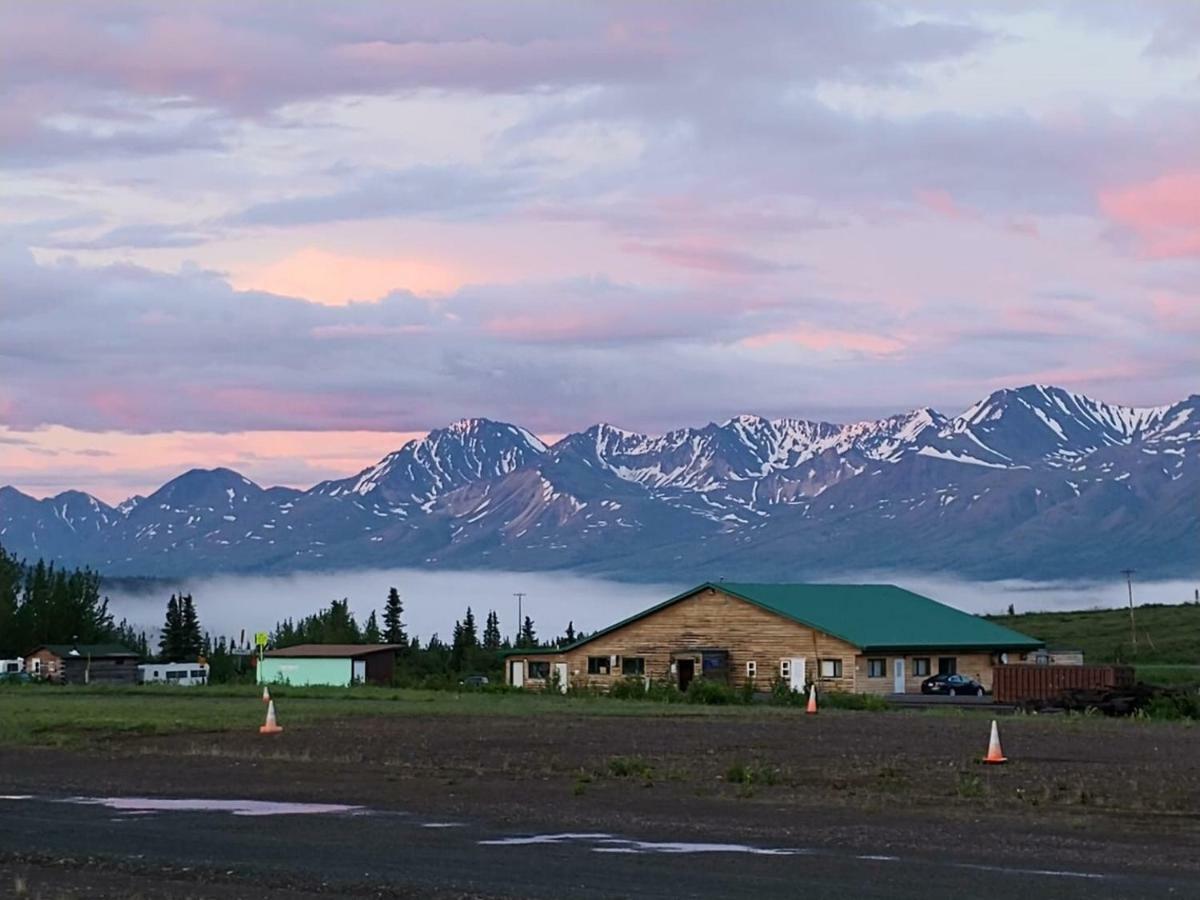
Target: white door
{"x":517,"y":677}
{"x":797,"y":678}
{"x":360,"y":671}
{"x":898,"y":672}
{"x":561,"y":668}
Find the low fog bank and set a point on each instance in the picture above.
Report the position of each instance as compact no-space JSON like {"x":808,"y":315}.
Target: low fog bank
{"x":994,"y":597}
{"x":434,"y":600}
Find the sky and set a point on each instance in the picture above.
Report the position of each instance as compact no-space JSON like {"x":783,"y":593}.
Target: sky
{"x":286,"y":237}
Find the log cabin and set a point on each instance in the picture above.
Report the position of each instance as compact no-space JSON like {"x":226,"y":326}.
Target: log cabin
{"x":855,"y":638}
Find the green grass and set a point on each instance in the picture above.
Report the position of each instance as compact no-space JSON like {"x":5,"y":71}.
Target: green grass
{"x":1166,"y":635}
{"x":55,"y":715}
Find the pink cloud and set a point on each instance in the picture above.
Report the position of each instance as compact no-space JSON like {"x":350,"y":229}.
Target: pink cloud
{"x":943,"y":203}
{"x":707,"y":257}
{"x":1164,"y":213}
{"x":335,"y":279}
{"x":827,"y":339}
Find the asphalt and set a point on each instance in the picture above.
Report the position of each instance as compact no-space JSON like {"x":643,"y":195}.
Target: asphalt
{"x":396,"y":850}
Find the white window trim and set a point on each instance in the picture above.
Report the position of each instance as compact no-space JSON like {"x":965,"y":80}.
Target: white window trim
{"x":751,"y":668}
{"x":785,"y":668}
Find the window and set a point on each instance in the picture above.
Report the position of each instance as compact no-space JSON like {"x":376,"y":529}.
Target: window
{"x":539,"y":670}
{"x":599,"y":665}
{"x":831,"y":668}
{"x":197,"y":673}
{"x":920,"y":665}
{"x":175,"y":676}
{"x":785,"y":669}
{"x":947,"y":665}
{"x":633,"y":665}
{"x":751,"y":669}
{"x":876,"y":668}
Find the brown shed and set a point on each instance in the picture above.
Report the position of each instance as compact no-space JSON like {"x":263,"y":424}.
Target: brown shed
{"x":83,"y":664}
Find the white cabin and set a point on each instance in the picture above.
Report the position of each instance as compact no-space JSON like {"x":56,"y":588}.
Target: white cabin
{"x":182,"y":674}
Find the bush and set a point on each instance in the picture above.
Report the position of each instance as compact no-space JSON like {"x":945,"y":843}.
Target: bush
{"x":711,"y":693}
{"x":1173,"y":706}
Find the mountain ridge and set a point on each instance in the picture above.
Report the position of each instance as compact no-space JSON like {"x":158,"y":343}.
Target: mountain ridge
{"x":1028,"y":481}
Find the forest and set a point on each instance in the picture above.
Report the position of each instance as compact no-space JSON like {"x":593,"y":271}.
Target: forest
{"x":44,"y":604}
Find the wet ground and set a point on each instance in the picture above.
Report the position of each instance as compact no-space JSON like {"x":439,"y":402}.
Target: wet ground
{"x":850,"y":804}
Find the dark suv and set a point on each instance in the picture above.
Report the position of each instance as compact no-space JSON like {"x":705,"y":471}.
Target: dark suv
{"x":952,"y":685}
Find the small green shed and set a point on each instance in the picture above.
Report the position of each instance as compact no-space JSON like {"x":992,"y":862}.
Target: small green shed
{"x":337,"y":665}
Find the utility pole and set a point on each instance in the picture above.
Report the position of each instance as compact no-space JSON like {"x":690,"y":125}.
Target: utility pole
{"x":520,"y":595}
{"x":1128,"y":573}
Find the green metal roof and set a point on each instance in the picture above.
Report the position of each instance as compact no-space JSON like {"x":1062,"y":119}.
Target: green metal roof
{"x":64,"y":650}
{"x":869,"y":616}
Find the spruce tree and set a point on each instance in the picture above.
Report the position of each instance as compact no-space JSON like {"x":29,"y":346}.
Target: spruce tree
{"x":371,"y":633}
{"x":528,"y":638}
{"x":491,"y":632}
{"x":470,"y":635}
{"x":191,"y":636}
{"x":393,"y":626}
{"x":169,"y":644}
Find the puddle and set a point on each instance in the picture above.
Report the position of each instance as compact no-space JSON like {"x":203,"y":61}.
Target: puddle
{"x":546,"y":839}
{"x":441,"y":824}
{"x":145,"y":805}
{"x":606,"y":843}
{"x":16,"y":796}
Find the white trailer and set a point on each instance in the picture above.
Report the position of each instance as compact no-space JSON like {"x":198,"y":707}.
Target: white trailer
{"x":12,"y":666}
{"x":182,"y":674}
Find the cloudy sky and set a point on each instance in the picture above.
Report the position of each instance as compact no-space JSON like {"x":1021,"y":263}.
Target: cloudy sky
{"x":285,"y":236}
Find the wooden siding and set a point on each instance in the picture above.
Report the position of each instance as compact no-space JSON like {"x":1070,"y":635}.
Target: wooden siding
{"x":971,"y":663}
{"x":709,"y":620}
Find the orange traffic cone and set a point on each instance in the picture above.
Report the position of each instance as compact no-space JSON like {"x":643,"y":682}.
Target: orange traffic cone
{"x":266,"y":695}
{"x":271,"y":726}
{"x":812,"y":700}
{"x":995,"y":755}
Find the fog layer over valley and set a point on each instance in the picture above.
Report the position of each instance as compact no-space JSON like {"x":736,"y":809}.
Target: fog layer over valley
{"x":434,"y":600}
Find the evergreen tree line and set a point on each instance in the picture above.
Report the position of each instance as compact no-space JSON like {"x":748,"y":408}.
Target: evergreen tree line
{"x":469,"y":651}
{"x":45,"y":604}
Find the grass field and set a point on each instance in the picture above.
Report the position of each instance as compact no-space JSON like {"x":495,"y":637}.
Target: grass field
{"x":1168,"y":637}
{"x":56,"y":715}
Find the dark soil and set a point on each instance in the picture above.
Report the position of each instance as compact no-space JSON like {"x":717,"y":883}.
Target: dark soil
{"x":1076,"y":791}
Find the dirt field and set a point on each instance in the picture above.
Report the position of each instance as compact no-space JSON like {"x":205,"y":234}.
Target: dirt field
{"x":1077,"y":790}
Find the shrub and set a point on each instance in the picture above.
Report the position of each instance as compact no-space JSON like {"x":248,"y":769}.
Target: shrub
{"x":628,"y":766}
{"x":711,"y":693}
{"x":752,"y":774}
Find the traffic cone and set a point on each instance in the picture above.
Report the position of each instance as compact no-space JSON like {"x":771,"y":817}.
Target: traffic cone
{"x":271,"y":726}
{"x":812,"y":700}
{"x":266,"y":695}
{"x":995,"y":755}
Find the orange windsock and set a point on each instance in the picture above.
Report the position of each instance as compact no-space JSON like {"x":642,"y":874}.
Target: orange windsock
{"x":995,"y":755}
{"x":271,"y":726}
{"x":812,"y":700}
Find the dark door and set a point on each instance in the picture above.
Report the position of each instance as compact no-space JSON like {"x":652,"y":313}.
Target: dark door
{"x":687,"y":671}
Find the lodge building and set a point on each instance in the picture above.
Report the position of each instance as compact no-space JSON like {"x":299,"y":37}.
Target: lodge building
{"x":856,"y":638}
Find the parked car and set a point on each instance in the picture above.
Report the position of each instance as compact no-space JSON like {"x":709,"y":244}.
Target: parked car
{"x":475,"y":681}
{"x":953,"y":685}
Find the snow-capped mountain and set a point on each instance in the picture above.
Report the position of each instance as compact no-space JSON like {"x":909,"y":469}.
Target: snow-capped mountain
{"x":1035,"y":481}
